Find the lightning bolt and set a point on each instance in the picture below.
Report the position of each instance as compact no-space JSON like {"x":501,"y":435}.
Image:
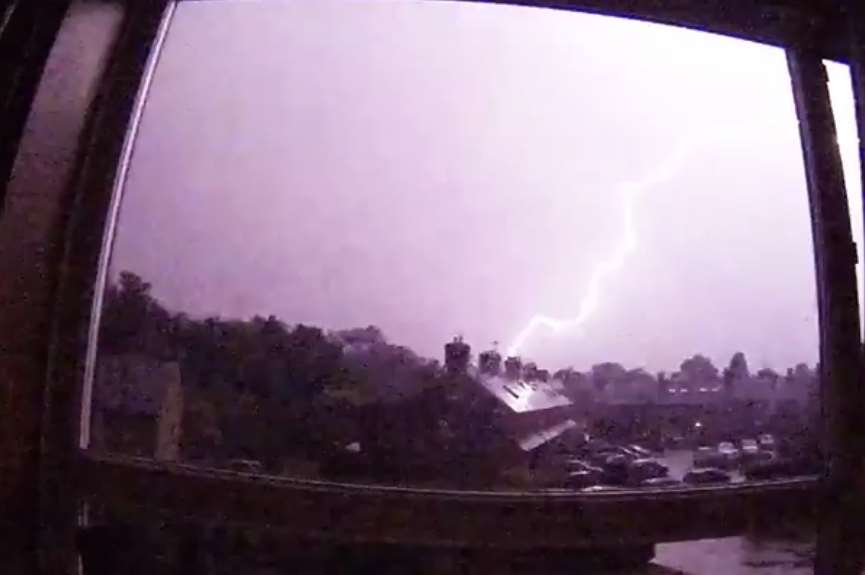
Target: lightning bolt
{"x":631,"y":191}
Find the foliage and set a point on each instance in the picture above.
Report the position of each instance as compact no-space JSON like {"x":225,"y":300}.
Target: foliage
{"x":262,"y":389}
{"x":698,"y":370}
{"x":265,"y":390}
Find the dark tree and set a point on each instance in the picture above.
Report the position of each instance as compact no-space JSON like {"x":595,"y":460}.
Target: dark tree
{"x":607,"y":374}
{"x":132,"y":320}
{"x":769,"y":375}
{"x":698,"y":371}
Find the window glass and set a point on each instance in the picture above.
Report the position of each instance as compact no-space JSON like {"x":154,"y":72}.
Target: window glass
{"x":844,"y":110}
{"x":464,"y":246}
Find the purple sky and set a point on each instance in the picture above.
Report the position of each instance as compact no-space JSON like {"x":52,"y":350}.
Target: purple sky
{"x":438,"y":168}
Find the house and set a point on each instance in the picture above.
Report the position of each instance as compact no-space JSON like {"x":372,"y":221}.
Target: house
{"x":541,"y":424}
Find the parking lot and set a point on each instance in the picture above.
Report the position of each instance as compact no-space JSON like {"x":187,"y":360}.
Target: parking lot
{"x":680,"y":461}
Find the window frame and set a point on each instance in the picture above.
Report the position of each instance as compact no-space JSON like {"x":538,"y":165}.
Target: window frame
{"x":418,"y":515}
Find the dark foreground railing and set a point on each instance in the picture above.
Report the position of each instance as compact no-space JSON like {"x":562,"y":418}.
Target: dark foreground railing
{"x":375,"y":514}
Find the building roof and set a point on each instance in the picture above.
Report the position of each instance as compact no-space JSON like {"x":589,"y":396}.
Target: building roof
{"x":522,"y":396}
{"x":542,"y":436}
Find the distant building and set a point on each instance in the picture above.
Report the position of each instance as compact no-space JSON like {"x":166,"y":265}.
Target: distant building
{"x":538,"y":420}
{"x":457,"y":355}
{"x":679,"y":390}
{"x":513,"y":368}
{"x":490,"y":362}
{"x":531,"y":372}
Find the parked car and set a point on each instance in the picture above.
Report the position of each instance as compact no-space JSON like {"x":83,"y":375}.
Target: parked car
{"x":642,"y":469}
{"x":626,"y":452}
{"x":658,"y":482}
{"x":779,"y":469}
{"x":615,"y":470}
{"x":749,"y":446}
{"x":708,"y":457}
{"x":641,"y":452}
{"x":706,"y":476}
{"x":582,"y":479}
{"x":575,"y":464}
{"x":767,"y":441}
{"x":762,"y":456}
{"x":750,"y":450}
{"x":600,"y":457}
{"x":729,"y":452}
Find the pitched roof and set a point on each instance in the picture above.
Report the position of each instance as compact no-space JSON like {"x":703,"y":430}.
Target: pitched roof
{"x":523,"y":396}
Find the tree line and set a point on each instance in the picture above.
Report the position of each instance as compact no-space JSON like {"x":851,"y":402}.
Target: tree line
{"x":266,"y":390}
